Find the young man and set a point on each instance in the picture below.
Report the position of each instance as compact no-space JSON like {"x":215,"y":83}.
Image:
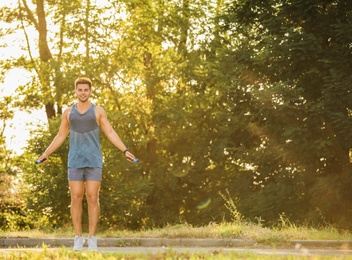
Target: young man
{"x":83,"y":121}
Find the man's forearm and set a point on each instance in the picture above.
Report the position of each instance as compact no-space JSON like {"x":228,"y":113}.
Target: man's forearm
{"x":116,"y":141}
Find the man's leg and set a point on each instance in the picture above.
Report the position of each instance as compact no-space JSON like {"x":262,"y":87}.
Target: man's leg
{"x":77,"y":192}
{"x":92,"y":194}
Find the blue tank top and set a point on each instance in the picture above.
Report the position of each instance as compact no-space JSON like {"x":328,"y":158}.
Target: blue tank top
{"x":84,"y":139}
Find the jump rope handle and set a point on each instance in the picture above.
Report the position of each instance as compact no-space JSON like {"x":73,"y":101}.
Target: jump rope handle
{"x":40,"y":161}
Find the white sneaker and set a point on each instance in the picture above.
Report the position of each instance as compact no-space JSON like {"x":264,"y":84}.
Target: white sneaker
{"x":78,"y":243}
{"x":92,"y":244}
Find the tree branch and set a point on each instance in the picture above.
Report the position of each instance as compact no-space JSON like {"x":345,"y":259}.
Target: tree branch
{"x":30,"y":14}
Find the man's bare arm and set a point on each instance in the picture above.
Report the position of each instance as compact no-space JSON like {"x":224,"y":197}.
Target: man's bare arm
{"x":59,"y":139}
{"x":110,"y":133}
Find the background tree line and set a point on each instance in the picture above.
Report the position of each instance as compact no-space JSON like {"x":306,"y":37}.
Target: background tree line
{"x":252,"y":98}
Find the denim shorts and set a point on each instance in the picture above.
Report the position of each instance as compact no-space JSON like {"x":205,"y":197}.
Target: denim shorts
{"x":85,"y":174}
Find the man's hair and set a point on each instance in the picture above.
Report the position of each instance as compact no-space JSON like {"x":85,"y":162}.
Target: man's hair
{"x":83,"y":80}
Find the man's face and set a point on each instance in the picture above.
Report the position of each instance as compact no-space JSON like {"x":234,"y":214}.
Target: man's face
{"x":83,"y":92}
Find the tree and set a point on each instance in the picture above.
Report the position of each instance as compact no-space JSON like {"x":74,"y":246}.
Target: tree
{"x":300,"y":100}
{"x":12,"y":204}
{"x":249,"y":98}
{"x":60,"y":60}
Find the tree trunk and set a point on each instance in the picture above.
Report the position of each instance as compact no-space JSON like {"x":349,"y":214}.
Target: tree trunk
{"x":44,"y":51}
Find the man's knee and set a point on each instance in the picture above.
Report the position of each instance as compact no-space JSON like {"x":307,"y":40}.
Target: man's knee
{"x":92,"y":198}
{"x":76,"y":198}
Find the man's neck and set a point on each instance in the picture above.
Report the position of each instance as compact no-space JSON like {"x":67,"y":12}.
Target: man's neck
{"x":83,"y":105}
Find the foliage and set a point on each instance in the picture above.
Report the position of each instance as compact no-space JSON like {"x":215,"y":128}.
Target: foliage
{"x":13,"y":215}
{"x":168,"y":253}
{"x":251,"y":98}
{"x":287,"y":61}
{"x":45,"y":186}
{"x":231,"y":206}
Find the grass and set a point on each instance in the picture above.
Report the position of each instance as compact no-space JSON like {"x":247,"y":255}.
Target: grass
{"x":273,"y":237}
{"x":263,"y":235}
{"x":169,"y":253}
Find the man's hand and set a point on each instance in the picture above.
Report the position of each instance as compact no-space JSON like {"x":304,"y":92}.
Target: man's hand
{"x":42,"y":158}
{"x":129,"y":156}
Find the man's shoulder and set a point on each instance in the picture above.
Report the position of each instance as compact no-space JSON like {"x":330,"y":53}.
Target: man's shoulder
{"x":99,"y":109}
{"x":100,"y":113}
{"x":67,"y":110}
